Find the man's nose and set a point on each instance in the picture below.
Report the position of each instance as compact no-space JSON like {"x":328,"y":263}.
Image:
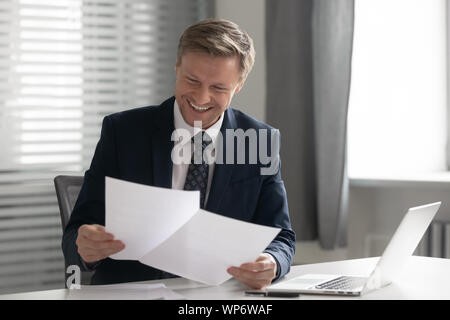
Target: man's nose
{"x":202,"y":96}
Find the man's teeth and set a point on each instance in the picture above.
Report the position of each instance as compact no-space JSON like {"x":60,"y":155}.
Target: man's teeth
{"x":198,"y":108}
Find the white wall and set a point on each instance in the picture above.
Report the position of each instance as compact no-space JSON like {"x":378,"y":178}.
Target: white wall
{"x":250,"y":16}
{"x":377,"y":207}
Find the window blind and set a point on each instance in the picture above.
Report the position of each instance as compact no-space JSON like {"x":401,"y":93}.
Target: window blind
{"x":64,"y":65}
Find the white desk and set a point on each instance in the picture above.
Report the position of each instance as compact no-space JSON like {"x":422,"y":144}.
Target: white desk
{"x":423,"y":278}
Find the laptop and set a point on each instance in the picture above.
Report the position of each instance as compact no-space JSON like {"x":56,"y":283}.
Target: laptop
{"x":400,"y":248}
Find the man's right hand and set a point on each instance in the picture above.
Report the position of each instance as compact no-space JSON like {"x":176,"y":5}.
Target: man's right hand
{"x":95,"y":244}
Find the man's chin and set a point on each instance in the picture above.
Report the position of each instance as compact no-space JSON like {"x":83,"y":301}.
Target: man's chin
{"x":205,"y":122}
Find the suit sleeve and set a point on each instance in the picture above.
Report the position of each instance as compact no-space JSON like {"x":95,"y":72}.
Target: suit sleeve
{"x":90,"y":205}
{"x":272,"y":209}
{"x":273,"y":206}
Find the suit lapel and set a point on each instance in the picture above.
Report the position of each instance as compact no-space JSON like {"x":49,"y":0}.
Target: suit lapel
{"x":162,"y":145}
{"x":222,"y":172}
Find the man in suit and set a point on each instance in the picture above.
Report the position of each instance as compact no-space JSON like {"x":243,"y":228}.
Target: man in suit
{"x":214,"y":59}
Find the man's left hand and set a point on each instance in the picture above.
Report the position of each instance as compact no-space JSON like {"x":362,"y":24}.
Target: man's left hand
{"x":258,"y":274}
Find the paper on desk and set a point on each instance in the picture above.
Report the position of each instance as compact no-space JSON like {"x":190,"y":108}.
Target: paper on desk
{"x":124,"y":291}
{"x":165,"y":229}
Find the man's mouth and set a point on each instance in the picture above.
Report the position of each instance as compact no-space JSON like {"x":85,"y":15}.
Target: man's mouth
{"x":197,"y":108}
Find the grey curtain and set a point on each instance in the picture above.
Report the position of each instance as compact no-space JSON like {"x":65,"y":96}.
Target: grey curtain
{"x":309,"y":46}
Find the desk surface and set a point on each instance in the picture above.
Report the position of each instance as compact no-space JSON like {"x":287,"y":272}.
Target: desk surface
{"x":423,"y":278}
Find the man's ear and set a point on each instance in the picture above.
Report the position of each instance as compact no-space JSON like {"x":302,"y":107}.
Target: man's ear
{"x":239,"y":86}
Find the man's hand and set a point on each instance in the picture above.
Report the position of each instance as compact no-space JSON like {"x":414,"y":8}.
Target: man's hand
{"x":258,"y":274}
{"x":95,"y":244}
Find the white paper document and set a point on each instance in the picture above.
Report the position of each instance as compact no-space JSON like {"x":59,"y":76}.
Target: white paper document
{"x":124,"y":291}
{"x":167,"y":230}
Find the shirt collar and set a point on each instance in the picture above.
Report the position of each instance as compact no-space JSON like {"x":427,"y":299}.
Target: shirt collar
{"x":179,"y":123}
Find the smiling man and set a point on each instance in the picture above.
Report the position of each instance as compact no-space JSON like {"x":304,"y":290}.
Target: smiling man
{"x":213,"y":61}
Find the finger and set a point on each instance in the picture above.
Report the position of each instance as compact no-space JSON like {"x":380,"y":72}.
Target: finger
{"x":265,"y":261}
{"x":251,"y":266}
{"x":251,"y":275}
{"x":95,"y":254}
{"x":88,"y":229}
{"x":95,"y":232}
{"x":258,"y":266}
{"x":99,"y":245}
{"x":250,"y":282}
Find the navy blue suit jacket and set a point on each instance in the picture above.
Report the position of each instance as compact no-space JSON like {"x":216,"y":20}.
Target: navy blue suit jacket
{"x":136,"y":146}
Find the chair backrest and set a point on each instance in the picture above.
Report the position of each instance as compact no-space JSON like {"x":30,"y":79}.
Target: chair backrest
{"x":67,"y":190}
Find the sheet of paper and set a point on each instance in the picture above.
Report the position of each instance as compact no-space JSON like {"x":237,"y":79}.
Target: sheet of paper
{"x":144,"y":216}
{"x":125,"y":291}
{"x":203,"y":248}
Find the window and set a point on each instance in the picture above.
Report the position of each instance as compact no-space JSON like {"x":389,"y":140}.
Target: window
{"x":398,"y":100}
{"x":64,"y":65}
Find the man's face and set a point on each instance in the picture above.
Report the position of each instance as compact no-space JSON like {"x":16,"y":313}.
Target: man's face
{"x":205,"y":85}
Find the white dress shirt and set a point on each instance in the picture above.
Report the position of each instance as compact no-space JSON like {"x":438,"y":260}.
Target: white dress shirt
{"x":180,"y":170}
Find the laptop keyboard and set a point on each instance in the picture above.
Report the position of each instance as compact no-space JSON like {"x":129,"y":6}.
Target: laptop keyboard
{"x":342,"y":283}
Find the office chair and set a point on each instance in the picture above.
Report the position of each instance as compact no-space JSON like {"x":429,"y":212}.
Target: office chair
{"x":67,"y":190}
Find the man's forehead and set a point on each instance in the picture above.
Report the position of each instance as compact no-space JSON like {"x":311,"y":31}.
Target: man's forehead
{"x":204,"y":54}
{"x":193,"y":63}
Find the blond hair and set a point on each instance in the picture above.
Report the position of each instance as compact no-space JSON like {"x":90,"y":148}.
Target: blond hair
{"x":219,"y":37}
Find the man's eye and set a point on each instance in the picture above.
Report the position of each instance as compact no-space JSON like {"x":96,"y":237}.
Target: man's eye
{"x":192,"y":81}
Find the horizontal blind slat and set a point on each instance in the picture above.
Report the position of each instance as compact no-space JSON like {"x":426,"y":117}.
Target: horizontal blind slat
{"x":27,"y":245}
{"x":28,"y":211}
{"x":41,"y":233}
{"x":33,"y":278}
{"x":17,"y":224}
{"x":38,"y":267}
{"x":36,"y":255}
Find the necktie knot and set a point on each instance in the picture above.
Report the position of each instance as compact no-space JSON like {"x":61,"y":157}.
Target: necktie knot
{"x":200,"y":141}
{"x":201,"y":138}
